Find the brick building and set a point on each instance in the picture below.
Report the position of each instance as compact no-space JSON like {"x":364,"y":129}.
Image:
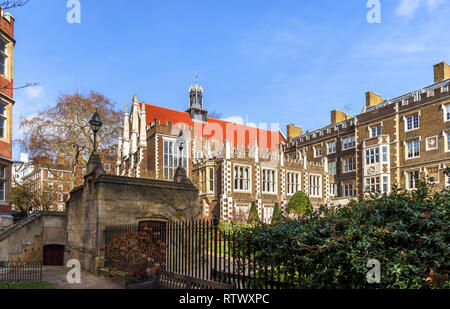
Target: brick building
{"x":52,"y":181}
{"x":231,"y":164}
{"x":392,"y":142}
{"x":7,"y":43}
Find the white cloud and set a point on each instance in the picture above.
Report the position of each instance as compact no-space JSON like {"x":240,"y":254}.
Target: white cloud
{"x":34,"y":92}
{"x":408,"y":8}
{"x":235,"y":119}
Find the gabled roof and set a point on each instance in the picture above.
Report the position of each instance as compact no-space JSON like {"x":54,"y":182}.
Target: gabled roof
{"x":241,"y":134}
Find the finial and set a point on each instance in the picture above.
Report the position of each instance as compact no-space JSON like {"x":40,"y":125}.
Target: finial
{"x":126,"y":109}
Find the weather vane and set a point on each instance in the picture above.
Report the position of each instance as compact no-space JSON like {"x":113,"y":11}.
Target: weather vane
{"x":196,"y":77}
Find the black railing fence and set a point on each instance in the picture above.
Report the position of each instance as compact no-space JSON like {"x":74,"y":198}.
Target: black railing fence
{"x":199,"y":249}
{"x":20,"y":271}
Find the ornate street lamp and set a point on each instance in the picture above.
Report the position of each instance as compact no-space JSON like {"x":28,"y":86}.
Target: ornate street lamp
{"x":96,"y":124}
{"x":181,"y":141}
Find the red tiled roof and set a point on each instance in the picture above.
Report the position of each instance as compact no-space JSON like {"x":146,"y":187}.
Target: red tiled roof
{"x":229,"y":130}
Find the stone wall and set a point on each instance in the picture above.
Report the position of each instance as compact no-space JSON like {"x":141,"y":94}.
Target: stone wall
{"x":114,"y":200}
{"x":25,"y":240}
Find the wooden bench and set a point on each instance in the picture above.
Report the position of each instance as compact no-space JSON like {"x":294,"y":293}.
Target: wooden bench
{"x":169,"y":280}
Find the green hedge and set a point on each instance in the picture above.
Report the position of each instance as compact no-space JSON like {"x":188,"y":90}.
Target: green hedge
{"x":408,"y":232}
{"x":299,"y":204}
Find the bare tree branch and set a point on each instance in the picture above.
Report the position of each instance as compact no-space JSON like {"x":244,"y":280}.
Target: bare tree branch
{"x":10,"y":4}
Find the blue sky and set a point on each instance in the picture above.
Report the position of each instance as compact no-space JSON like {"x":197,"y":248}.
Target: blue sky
{"x":258,"y":60}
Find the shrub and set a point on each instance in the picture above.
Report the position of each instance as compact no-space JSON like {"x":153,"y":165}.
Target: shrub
{"x":137,"y":253}
{"x":299,"y":204}
{"x":253,"y":217}
{"x":277,"y":215}
{"x":408,"y":232}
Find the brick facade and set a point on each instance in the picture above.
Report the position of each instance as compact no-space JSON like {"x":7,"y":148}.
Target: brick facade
{"x":395,"y":140}
{"x":6,"y":110}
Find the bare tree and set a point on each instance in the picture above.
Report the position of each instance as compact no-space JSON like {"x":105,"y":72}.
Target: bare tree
{"x":63,"y":133}
{"x":10,"y":4}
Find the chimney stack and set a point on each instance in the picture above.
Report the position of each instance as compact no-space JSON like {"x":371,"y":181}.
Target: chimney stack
{"x":441,"y":72}
{"x":373,"y":99}
{"x":293,"y":131}
{"x":338,"y":116}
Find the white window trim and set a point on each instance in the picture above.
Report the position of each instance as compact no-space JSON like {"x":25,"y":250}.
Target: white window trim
{"x":446,"y":145}
{"x":208,"y":180}
{"x":250,"y":178}
{"x":343,"y":165}
{"x":174,"y":140}
{"x":320,"y":186}
{"x":275,"y":180}
{"x":405,"y":120}
{"x":407,"y":180}
{"x":335,"y":167}
{"x":288,"y":183}
{"x":353,"y":191}
{"x":375,"y":126}
{"x":444,"y":107}
{"x":328,"y":148}
{"x":343,"y":143}
{"x":315,"y":148}
{"x":406,"y":148}
{"x":380,"y":155}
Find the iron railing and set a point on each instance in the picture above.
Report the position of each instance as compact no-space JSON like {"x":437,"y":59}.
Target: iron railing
{"x":16,"y":271}
{"x":200,"y":250}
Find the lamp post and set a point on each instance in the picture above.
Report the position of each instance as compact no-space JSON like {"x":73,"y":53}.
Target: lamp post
{"x":181,"y":141}
{"x":96,"y":124}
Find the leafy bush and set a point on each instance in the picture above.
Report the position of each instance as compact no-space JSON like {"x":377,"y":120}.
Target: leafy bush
{"x":299,"y":204}
{"x":137,"y":253}
{"x":228,"y":228}
{"x":253,"y":217}
{"x":408,"y":232}
{"x":277,"y":216}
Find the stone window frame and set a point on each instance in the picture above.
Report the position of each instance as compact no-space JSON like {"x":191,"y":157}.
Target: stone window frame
{"x":246,"y":212}
{"x":185,"y":149}
{"x":290,"y":183}
{"x":409,"y":180}
{"x":318,"y":150}
{"x":332,"y":189}
{"x":316,"y":187}
{"x":405,"y":120}
{"x":269,"y":215}
{"x":446,"y":135}
{"x":5,"y":55}
{"x":344,"y":160}
{"x":352,"y":139}
{"x":4,"y":121}
{"x":274,"y":181}
{"x":373,"y":184}
{"x":328,"y":146}
{"x":372,"y":153}
{"x":335,"y":167}
{"x":446,"y":112}
{"x":406,"y":143}
{"x":249,"y":180}
{"x":50,"y":185}
{"x":347,"y":189}
{"x":429,"y":138}
{"x":377,"y":125}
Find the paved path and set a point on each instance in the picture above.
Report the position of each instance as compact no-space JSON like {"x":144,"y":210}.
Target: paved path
{"x":56,"y":276}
